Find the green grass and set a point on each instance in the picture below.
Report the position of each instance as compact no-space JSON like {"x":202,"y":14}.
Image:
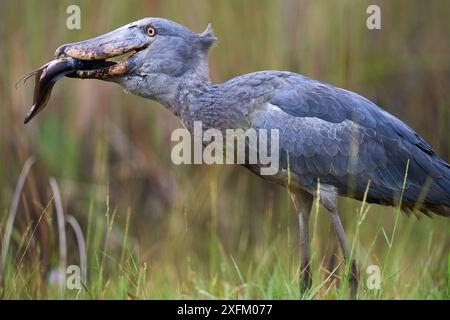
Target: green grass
{"x":183,"y":264}
{"x":156,"y":230}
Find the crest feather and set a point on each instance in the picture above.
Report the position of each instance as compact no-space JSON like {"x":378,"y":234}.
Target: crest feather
{"x":207,"y":37}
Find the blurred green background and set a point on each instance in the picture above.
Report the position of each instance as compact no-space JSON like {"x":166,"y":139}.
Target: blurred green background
{"x":156,"y":230}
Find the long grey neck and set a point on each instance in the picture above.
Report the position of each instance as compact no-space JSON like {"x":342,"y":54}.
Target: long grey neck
{"x":186,"y":88}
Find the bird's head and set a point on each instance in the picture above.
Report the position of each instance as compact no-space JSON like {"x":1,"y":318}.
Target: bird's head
{"x":148,"y":57}
{"x":153,"y":50}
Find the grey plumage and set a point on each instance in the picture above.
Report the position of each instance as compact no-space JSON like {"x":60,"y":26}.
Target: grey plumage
{"x":329,"y":137}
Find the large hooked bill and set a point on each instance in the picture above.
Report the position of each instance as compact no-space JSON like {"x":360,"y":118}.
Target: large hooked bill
{"x":106,"y":57}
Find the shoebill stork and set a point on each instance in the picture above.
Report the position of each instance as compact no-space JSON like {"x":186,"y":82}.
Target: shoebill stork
{"x":332,"y":142}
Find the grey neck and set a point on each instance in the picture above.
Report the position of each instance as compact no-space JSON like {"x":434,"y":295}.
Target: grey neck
{"x":189,"y":87}
{"x":176,"y":92}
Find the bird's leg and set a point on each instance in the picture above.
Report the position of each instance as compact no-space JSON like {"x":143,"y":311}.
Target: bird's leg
{"x":354,"y":268}
{"x":303,"y":202}
{"x":332,"y":263}
{"x":328,"y":198}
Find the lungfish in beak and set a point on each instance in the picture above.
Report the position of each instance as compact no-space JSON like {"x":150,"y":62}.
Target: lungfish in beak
{"x":45,"y":78}
{"x":89,"y":60}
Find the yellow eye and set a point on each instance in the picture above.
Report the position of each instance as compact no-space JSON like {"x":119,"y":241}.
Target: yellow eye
{"x":151,"y":31}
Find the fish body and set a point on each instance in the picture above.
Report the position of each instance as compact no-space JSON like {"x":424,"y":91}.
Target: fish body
{"x":45,"y":78}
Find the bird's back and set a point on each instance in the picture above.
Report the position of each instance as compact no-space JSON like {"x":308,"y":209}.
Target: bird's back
{"x":335,"y":137}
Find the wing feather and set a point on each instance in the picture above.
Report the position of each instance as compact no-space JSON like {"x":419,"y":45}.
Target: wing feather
{"x":336,"y":136}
